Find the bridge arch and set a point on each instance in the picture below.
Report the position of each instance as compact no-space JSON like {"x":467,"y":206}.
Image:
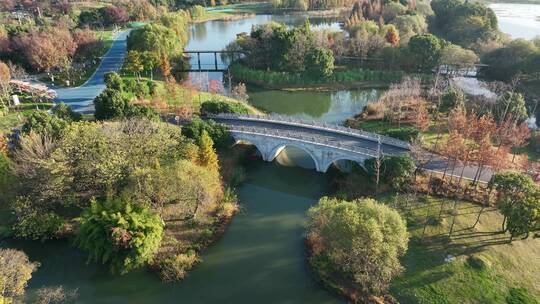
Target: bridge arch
{"x":330,"y":162}
{"x":274,"y":152}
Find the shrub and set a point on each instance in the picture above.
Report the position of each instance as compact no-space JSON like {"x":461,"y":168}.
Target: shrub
{"x":15,"y":272}
{"x":123,"y":235}
{"x":175,"y":267}
{"x":520,"y":296}
{"x":65,"y":112}
{"x":403,"y":133}
{"x":44,"y":123}
{"x":394,"y":171}
{"x":534,"y":142}
{"x":216,"y":107}
{"x":452,"y":98}
{"x":37,"y":225}
{"x":219,"y":134}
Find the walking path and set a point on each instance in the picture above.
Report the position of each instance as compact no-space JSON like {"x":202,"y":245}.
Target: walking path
{"x":81,"y":98}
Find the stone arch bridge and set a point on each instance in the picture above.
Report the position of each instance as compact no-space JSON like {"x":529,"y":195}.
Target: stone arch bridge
{"x":325,"y":143}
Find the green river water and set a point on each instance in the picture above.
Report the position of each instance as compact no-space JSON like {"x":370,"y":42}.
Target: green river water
{"x":260,"y":259}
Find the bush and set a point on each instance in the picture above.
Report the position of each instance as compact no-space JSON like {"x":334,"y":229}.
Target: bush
{"x":123,"y":235}
{"x":42,"y":122}
{"x":65,"y":112}
{"x":394,"y":171}
{"x":405,"y":133}
{"x":520,"y":296}
{"x":37,"y":225}
{"x":452,"y":98}
{"x":534,"y":142}
{"x":175,"y":267}
{"x":219,"y":134}
{"x":217,"y":107}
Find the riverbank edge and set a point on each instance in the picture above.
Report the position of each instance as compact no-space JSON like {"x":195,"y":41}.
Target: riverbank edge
{"x":326,"y":282}
{"x":330,"y":86}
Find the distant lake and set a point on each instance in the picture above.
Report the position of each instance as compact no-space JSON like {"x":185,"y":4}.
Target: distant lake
{"x":518,"y":20}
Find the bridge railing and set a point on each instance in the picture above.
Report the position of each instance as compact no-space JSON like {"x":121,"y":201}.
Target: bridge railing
{"x":308,"y":139}
{"x":287,"y":120}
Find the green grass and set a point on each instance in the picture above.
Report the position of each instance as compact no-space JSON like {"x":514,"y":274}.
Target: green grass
{"x":17,"y":115}
{"x":486,"y":266}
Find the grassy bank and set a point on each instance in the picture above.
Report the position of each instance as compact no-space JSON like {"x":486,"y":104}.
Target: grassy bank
{"x":485,"y":267}
{"x":17,"y":115}
{"x":341,"y":79}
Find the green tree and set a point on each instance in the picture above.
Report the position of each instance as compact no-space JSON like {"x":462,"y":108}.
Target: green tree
{"x":510,"y":60}
{"x":510,"y":103}
{"x":15,"y":272}
{"x":42,"y":122}
{"x":155,"y":38}
{"x":113,"y":81}
{"x":219,"y":134}
{"x":110,"y":104}
{"x":65,"y":112}
{"x":150,"y":61}
{"x":361,"y":240}
{"x":320,"y":62}
{"x":517,"y":198}
{"x":120,"y":234}
{"x":207,"y":154}
{"x":424,"y":52}
{"x":395,"y":171}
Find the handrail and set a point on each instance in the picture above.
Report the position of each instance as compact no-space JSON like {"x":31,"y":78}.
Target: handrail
{"x":286,"y":120}
{"x":325,"y":143}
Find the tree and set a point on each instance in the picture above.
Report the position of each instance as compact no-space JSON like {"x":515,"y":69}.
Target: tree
{"x":510,"y":103}
{"x":395,"y":171}
{"x":361,"y":240}
{"x":44,"y":123}
{"x":524,"y":216}
{"x":320,"y":63}
{"x":457,"y":57}
{"x":150,"y":61}
{"x":517,"y":196}
{"x":15,"y":272}
{"x":510,"y":60}
{"x":114,"y":81}
{"x":110,"y":104}
{"x":219,"y":134}
{"x":207,"y":154}
{"x":134,"y":63}
{"x":113,"y":15}
{"x":126,"y":236}
{"x":424,"y":51}
{"x":65,"y":112}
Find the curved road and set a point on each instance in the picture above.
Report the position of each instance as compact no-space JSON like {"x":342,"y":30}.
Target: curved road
{"x":81,"y":98}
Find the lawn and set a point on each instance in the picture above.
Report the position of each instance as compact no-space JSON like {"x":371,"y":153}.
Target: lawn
{"x":486,"y":267}
{"x":17,"y":115}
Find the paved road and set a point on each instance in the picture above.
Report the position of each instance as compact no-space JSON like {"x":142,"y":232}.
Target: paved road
{"x":437,"y":162}
{"x":80,"y":98}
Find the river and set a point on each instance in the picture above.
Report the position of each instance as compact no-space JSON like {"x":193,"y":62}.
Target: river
{"x":518,"y":20}
{"x":260,"y":259}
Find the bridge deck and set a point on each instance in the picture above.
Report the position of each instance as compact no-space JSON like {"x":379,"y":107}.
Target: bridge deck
{"x":315,"y":135}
